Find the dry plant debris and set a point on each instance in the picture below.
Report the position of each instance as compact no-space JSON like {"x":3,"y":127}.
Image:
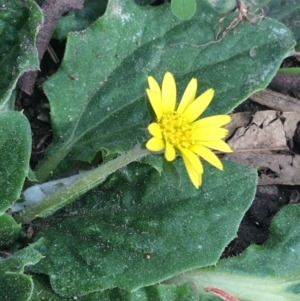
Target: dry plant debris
{"x":276,"y":101}
{"x":263,"y":141}
{"x":243,"y":15}
{"x":53,"y":10}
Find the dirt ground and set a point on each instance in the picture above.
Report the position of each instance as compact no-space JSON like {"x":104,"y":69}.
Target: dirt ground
{"x":269,"y":199}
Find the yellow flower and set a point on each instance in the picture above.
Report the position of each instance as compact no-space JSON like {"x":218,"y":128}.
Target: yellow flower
{"x":179,"y":130}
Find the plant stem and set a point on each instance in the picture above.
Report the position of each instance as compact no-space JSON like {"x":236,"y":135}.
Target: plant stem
{"x":45,"y":168}
{"x":69,"y":193}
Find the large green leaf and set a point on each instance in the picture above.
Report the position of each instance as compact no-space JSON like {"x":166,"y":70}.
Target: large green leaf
{"x":15,"y":148}
{"x":98,"y":99}
{"x":287,"y":12}
{"x":139,"y":228}
{"x":19,"y":22}
{"x":268,"y":272}
{"x":14,"y":285}
{"x":43,"y":291}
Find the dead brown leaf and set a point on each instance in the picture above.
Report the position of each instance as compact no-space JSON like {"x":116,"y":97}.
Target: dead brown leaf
{"x":53,"y":10}
{"x":264,"y":132}
{"x":276,"y":101}
{"x":261,"y":142}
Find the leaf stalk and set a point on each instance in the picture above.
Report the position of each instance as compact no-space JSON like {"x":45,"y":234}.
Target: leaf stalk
{"x":88,"y":181}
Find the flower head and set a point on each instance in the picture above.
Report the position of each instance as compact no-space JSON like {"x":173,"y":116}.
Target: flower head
{"x":180,"y":130}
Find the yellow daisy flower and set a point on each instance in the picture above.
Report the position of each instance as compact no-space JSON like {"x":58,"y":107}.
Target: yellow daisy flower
{"x":179,"y":130}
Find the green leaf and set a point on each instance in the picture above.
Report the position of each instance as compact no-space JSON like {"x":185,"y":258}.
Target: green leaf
{"x":19,"y":22}
{"x":43,"y":291}
{"x":102,"y":105}
{"x":31,"y":176}
{"x":80,"y":19}
{"x":8,"y":229}
{"x":268,"y":272}
{"x":183,"y":9}
{"x":288,"y":13}
{"x":139,"y":228}
{"x":15,"y":148}
{"x":14,"y":285}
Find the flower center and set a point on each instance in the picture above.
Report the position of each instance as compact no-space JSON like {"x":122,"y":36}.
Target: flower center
{"x":176,"y":130}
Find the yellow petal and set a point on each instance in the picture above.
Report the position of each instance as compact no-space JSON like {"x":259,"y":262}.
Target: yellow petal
{"x":188,"y":96}
{"x":192,"y":158}
{"x":213,"y":121}
{"x":154,"y":86}
{"x":155,"y":130}
{"x":168,"y":93}
{"x":170,"y":152}
{"x":155,"y":144}
{"x":209,"y":133}
{"x":218,"y":145}
{"x":207,"y":155}
{"x":195,"y":177}
{"x":196,"y":108}
{"x":156,"y":103}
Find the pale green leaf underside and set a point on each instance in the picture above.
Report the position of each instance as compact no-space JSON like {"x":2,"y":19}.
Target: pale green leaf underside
{"x":98,"y":98}
{"x":138,"y":228}
{"x":19,"y":23}
{"x":268,"y":272}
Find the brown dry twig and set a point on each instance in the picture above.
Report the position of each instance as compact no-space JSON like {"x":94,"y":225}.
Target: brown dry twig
{"x":289,"y":82}
{"x":243,"y":15}
{"x":53,"y":10}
